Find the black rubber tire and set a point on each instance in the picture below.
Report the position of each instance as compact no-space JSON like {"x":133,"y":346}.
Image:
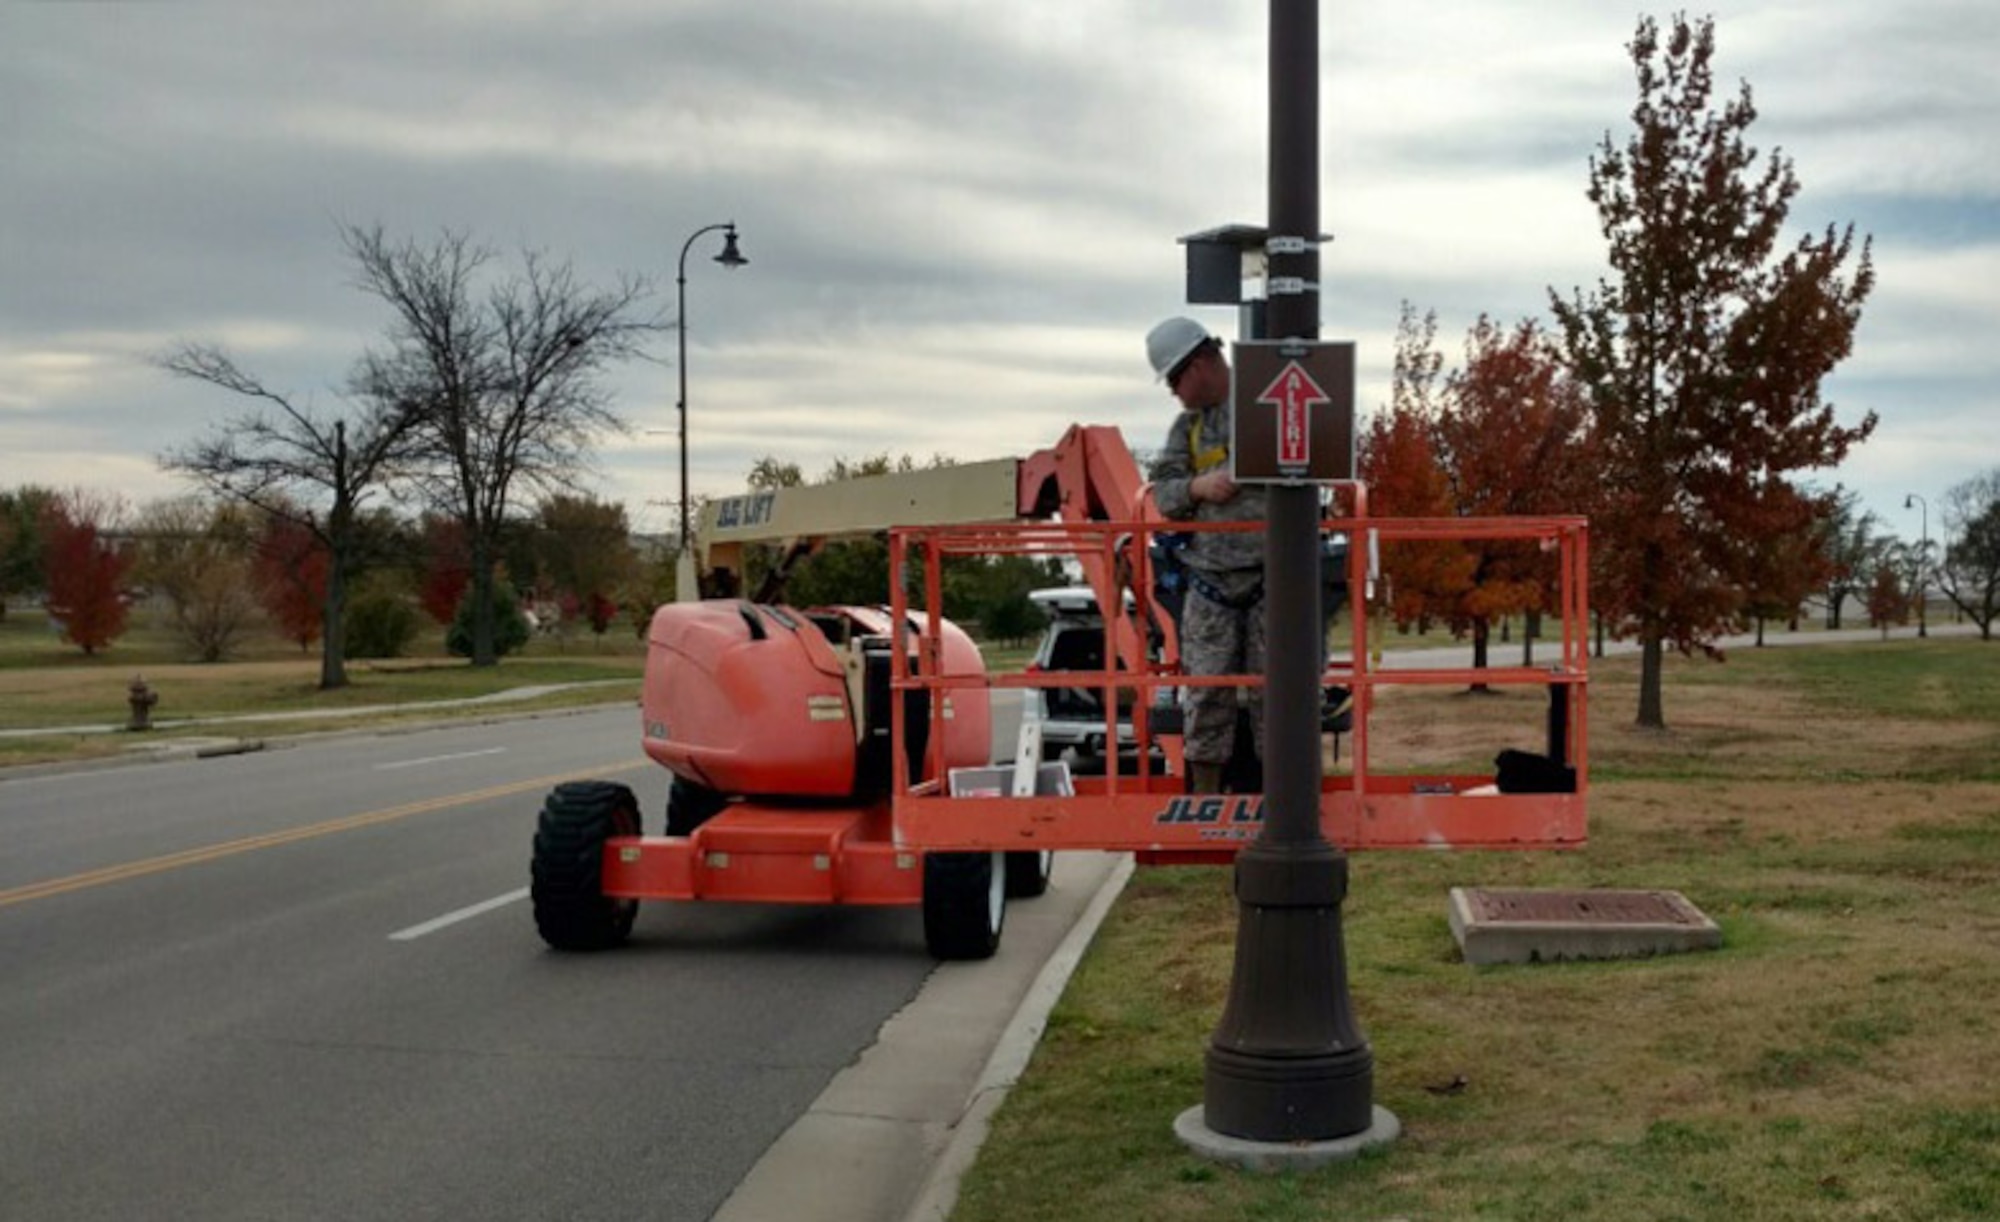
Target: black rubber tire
{"x":1028,"y":873}
{"x":965,"y":904}
{"x":690,"y":805}
{"x":567,"y":875}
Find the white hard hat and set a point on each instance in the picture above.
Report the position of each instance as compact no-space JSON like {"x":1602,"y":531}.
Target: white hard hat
{"x":1174,"y":341}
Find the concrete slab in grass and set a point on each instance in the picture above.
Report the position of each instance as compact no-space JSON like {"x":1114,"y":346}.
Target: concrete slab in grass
{"x":1529,"y":926}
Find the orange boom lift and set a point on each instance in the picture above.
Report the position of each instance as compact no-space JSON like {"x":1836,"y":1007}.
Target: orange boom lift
{"x":843,"y":755}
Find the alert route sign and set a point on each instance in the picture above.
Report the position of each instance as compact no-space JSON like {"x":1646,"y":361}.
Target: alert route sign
{"x":1293,"y":406}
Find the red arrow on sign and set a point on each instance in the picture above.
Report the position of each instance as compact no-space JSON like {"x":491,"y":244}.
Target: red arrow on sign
{"x":1293,"y":392}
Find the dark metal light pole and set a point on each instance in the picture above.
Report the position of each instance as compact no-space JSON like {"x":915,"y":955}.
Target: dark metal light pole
{"x":1923,"y":561}
{"x":730,"y":257}
{"x":1288,"y":1061}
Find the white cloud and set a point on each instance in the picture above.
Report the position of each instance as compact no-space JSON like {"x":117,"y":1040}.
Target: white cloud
{"x":961,"y":218}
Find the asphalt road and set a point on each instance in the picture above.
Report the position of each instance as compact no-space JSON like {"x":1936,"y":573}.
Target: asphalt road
{"x":304,"y":983}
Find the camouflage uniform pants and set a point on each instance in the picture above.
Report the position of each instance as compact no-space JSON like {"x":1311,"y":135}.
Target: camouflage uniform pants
{"x":1217,"y":639}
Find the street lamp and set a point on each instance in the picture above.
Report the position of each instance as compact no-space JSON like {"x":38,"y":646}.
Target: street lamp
{"x":1923,"y":558}
{"x":730,"y":257}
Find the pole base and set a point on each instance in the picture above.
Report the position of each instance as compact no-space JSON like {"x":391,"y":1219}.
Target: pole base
{"x":1191,"y":1126}
{"x":1261,"y":1098}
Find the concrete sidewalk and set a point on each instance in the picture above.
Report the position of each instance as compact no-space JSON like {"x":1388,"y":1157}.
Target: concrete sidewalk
{"x":893,"y":1133}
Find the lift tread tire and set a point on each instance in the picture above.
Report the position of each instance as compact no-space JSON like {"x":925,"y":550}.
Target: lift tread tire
{"x":690,"y":805}
{"x":964,"y":904}
{"x":567,"y":874}
{"x":1028,"y":873}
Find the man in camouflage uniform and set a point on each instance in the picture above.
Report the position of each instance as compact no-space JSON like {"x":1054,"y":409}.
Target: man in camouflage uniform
{"x":1222,"y":621}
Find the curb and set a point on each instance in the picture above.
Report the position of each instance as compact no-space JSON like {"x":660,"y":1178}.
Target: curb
{"x":1010,"y":1057}
{"x":241,"y":746}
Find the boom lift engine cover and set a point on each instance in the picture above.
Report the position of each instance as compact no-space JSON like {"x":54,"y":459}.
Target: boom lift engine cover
{"x":757,"y":700}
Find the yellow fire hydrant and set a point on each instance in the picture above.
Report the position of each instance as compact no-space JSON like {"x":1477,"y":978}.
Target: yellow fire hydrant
{"x":142,"y":699}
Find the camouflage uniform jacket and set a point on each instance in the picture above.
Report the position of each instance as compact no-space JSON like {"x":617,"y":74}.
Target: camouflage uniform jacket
{"x":1198,"y":443}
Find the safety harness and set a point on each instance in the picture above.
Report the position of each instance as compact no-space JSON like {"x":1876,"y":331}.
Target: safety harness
{"x":1203,"y":458}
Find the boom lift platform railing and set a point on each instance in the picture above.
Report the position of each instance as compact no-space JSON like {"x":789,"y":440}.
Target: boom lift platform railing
{"x":1142,"y":806}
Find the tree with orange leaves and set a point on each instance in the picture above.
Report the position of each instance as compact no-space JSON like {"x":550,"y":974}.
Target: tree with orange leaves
{"x":1511,"y":441}
{"x":1398,"y":460}
{"x":1702,"y":355}
{"x":1786,"y":566}
{"x":1505,"y":435}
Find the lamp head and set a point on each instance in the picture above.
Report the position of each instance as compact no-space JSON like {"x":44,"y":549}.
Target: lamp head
{"x":730,"y":256}
{"x":1910,"y":500}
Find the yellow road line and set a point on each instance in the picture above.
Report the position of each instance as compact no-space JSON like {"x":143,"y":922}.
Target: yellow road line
{"x":269,"y":840}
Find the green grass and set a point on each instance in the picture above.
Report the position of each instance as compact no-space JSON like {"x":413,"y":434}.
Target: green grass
{"x":46,"y":684}
{"x":1834,"y":1060}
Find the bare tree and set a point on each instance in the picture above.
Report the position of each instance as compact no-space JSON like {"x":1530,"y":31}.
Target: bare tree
{"x":300,"y":465}
{"x":196,"y":556}
{"x":1853,"y":546}
{"x":1970,"y":574}
{"x":503,"y":379}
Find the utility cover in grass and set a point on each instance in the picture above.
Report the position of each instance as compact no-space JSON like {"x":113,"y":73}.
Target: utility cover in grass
{"x":1542,"y":926}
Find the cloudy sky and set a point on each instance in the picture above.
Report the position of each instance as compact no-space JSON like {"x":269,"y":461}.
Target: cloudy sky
{"x":961,"y":217}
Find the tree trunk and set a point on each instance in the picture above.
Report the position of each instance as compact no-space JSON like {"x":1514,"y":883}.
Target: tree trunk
{"x":483,"y":652}
{"x":339,"y":538}
{"x":1481,"y":633}
{"x":1652,"y":709}
{"x":333,"y":628}
{"x":1531,"y":627}
{"x":1760,"y":632}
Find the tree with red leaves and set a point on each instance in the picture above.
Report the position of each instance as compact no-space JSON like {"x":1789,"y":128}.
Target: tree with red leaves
{"x":447,"y":568}
{"x":1505,"y":435}
{"x":1511,"y":441}
{"x":1787,"y":567}
{"x":599,"y":610}
{"x":1702,"y":355}
{"x":1398,"y":460}
{"x":292,"y":568}
{"x":86,"y":572}
{"x":1888,"y":603}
